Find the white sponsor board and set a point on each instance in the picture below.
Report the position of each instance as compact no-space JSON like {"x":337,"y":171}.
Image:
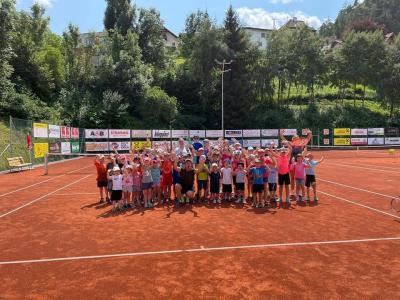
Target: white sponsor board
{"x":251,"y":133}
{"x":96,"y":146}
{"x":359,"y":141}
{"x":176,"y":134}
{"x":251,"y":143}
{"x":214,"y":133}
{"x":120,"y":146}
{"x":392,"y":141}
{"x":326,"y":131}
{"x":269,"y":132}
{"x":200,"y":133}
{"x":289,"y":131}
{"x":376,"y":141}
{"x":65,"y":148}
{"x":54,"y":131}
{"x":359,"y":132}
{"x":96,"y":134}
{"x":269,"y":142}
{"x":233,"y":133}
{"x":161,"y":146}
{"x":162,"y":134}
{"x":40,"y":130}
{"x":119,"y":134}
{"x":141,"y":134}
{"x":376,"y":131}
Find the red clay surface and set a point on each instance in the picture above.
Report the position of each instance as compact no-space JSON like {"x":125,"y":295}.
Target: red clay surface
{"x":70,"y":223}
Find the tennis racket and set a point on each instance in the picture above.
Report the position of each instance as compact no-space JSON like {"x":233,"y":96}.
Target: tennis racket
{"x":395,"y":204}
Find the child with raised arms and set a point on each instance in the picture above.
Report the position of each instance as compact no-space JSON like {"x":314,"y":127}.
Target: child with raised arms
{"x":310,"y":175}
{"x":240,"y":174}
{"x":227,"y":180}
{"x":127,"y":185}
{"x":257,"y":174}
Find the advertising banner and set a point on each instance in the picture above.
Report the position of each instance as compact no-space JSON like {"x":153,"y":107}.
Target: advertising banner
{"x":326,"y":132}
{"x":161,"y":134}
{"x":341,"y":131}
{"x":359,"y":141}
{"x":200,"y":133}
{"x":270,"y":142}
{"x":376,"y":141}
{"x":392,"y":141}
{"x":120,"y":146}
{"x":251,"y":133}
{"x":376,"y":131}
{"x":342,"y":141}
{"x":251,"y":143}
{"x":233,"y":133}
{"x":214,"y":133}
{"x":392,"y":132}
{"x":75,"y":148}
{"x":359,"y":132}
{"x":270,"y":132}
{"x":65,"y":148}
{"x":40,"y":149}
{"x":55,"y":147}
{"x":74,"y":133}
{"x":96,"y":146}
{"x":119,"y":133}
{"x":40,"y":130}
{"x":96,"y":134}
{"x":65,"y":132}
{"x":54,"y":131}
{"x":327,"y":142}
{"x":287,"y":132}
{"x":141,"y":145}
{"x":177,"y":134}
{"x":141,"y":134}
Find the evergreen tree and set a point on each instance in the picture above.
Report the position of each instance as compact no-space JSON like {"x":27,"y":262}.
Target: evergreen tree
{"x":119,"y":16}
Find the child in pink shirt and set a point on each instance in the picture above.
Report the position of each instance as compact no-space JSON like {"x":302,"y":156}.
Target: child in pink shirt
{"x":299,"y":167}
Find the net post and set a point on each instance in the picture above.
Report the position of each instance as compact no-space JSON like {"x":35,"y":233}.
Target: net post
{"x":46,"y":164}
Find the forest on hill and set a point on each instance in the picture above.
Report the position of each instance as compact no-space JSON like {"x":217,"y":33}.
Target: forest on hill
{"x":346,"y":74}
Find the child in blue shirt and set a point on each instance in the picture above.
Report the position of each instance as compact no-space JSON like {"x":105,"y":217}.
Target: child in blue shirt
{"x":257,"y":174}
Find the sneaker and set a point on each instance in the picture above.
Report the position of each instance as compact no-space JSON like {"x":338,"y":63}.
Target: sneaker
{"x":101,"y":200}
{"x":308,"y":199}
{"x":219,"y":201}
{"x":238,"y":201}
{"x":316,"y":199}
{"x":215,"y":201}
{"x":188,"y":200}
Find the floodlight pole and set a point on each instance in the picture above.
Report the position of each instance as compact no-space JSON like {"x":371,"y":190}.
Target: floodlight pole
{"x":223,"y":71}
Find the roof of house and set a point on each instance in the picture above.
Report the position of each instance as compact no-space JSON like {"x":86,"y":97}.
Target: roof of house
{"x":257,"y":28}
{"x":296,"y":23}
{"x":173,"y":34}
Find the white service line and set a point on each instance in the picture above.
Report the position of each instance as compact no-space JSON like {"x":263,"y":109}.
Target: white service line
{"x":355,"y":188}
{"x":359,"y":204}
{"x":201,"y":249}
{"x":374,"y":166}
{"x":44,"y":181}
{"x":358,"y":167}
{"x":42,"y":197}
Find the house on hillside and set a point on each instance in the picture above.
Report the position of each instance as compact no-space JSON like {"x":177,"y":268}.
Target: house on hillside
{"x":258,"y":36}
{"x":170,"y":38}
{"x":295,"y":23}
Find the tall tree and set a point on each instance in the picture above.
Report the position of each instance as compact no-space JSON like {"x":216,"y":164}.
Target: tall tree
{"x":238,"y":88}
{"x":119,"y":16}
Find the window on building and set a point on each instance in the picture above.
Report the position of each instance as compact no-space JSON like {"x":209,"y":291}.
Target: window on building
{"x":259,"y":44}
{"x":263,"y":35}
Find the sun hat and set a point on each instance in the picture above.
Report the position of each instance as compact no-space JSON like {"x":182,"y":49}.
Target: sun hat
{"x":214,"y":165}
{"x":250,"y":148}
{"x":116,"y":169}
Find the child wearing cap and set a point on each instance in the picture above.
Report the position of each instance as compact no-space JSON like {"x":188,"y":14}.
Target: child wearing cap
{"x":101,"y":176}
{"x":227,"y":180}
{"x":257,"y":174}
{"x":202,"y":178}
{"x":240,"y":174}
{"x":116,"y":194}
{"x":147,"y":182}
{"x":215,"y":177}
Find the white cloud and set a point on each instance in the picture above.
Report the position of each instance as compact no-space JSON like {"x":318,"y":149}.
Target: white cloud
{"x":44,"y":3}
{"x":258,"y":17}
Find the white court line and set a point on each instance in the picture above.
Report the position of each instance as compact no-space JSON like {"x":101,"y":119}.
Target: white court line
{"x":359,"y":204}
{"x":356,"y":188}
{"x":47,"y":180}
{"x":201,"y":249}
{"x":365,"y":168}
{"x":42,"y":197}
{"x":381,"y":167}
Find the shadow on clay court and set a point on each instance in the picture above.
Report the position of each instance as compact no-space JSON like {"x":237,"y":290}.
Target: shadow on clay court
{"x":182,"y":210}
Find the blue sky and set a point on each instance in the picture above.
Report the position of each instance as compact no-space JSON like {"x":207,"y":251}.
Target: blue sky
{"x":88,"y":14}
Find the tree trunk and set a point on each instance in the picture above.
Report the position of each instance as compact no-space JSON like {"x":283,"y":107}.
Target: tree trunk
{"x":290,"y":86}
{"x":363,"y":96}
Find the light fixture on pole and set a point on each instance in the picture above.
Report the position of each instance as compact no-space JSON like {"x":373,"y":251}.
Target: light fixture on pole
{"x":223,"y":71}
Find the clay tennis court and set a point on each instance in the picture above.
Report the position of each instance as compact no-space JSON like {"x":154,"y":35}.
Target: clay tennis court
{"x":57,"y":242}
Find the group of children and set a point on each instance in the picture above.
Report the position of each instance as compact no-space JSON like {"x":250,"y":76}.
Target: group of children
{"x":202,"y":172}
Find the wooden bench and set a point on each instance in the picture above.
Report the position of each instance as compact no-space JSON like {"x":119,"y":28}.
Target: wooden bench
{"x":17,"y":163}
